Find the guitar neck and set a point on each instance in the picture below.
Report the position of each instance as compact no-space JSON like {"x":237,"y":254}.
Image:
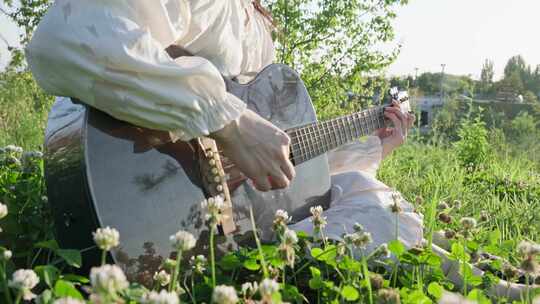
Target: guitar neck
{"x":310,"y":141}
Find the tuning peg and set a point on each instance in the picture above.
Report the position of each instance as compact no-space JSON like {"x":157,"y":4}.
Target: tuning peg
{"x":209,"y":154}
{"x":215,"y":171}
{"x":212,"y":162}
{"x":217,"y":179}
{"x":219,"y":188}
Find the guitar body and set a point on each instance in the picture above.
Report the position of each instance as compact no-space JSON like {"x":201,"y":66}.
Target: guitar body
{"x":104,"y":172}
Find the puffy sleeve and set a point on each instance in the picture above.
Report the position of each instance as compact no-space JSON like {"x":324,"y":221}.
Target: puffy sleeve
{"x":111,"y":55}
{"x":364,"y":156}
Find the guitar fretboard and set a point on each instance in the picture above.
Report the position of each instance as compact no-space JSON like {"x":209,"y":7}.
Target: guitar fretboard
{"x":310,"y":141}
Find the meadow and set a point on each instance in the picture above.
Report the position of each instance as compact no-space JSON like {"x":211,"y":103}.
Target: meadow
{"x":475,"y":181}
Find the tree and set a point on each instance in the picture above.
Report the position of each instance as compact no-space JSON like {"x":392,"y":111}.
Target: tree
{"x":517,"y":65}
{"x":333,"y":44}
{"x":519,"y":78}
{"x":488,"y":72}
{"x":486,"y":78}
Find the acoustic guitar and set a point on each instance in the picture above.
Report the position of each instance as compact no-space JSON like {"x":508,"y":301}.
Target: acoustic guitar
{"x":104,"y":172}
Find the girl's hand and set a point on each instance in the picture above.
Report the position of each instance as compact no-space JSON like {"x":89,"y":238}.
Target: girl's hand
{"x":259,"y":150}
{"x":394,"y":137}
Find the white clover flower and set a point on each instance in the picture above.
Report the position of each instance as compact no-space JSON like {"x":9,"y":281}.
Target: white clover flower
{"x":528,"y":249}
{"x":468,"y":223}
{"x":268,"y":287}
{"x":198,"y":263}
{"x":349,"y":238}
{"x":382,"y":252}
{"x":3,"y":211}
{"x":316,"y":211}
{"x":163,"y":297}
{"x":68,"y":300}
{"x":6,"y":255}
{"x":319,"y":221}
{"x":214,"y":207}
{"x":162,"y":278}
{"x":13,"y":149}
{"x":362,"y":239}
{"x":396,"y":196}
{"x":290,"y":237}
{"x":182,"y":241}
{"x":108,"y":279}
{"x":249,"y":289}
{"x":224,"y":295}
{"x":282,"y":217}
{"x":106,"y":238}
{"x":24,"y":280}
{"x":443,"y":206}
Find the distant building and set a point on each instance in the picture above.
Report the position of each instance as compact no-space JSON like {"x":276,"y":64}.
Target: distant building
{"x":426,"y":106}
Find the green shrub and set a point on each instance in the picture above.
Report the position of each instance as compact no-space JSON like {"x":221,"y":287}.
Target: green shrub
{"x":472,"y":147}
{"x":23,"y":110}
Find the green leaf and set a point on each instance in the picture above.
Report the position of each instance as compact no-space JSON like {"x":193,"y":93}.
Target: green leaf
{"x":45,"y":297}
{"x":75,"y":278}
{"x":66,"y":289}
{"x":230,"y":262}
{"x":48,"y":274}
{"x":396,"y":247}
{"x":316,"y":282}
{"x":291,"y":293}
{"x":316,"y":252}
{"x":328,"y":255}
{"x":435,"y":290}
{"x":50,"y":244}
{"x":72,"y":257}
{"x":349,"y":293}
{"x":351,"y":265}
{"x":494,"y":237}
{"x":478,"y":296}
{"x":418,"y":297}
{"x":252,"y":265}
{"x":458,"y":253}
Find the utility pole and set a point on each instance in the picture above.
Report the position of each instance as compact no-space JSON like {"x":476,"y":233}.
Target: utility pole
{"x":442,"y":82}
{"x":415,"y":77}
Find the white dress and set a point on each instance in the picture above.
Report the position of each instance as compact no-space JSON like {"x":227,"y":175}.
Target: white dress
{"x":111,"y":55}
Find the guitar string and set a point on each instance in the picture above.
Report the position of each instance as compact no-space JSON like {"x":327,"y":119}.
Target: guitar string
{"x":348,"y":121}
{"x":369,"y":119}
{"x":346,"y":125}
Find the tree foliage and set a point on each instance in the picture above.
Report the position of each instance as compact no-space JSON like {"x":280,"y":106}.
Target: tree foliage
{"x":430,"y":84}
{"x":520,"y":78}
{"x":486,"y":78}
{"x":333,"y":43}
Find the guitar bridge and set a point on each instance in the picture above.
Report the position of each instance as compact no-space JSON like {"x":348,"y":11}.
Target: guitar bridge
{"x":215,"y":181}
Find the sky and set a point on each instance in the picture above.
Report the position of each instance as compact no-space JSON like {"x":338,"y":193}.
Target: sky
{"x":463,"y":33}
{"x":458,"y":33}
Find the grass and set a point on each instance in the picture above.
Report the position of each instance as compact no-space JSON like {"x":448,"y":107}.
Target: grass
{"x":435,"y":174}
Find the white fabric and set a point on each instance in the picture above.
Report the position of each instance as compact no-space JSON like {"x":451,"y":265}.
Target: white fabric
{"x":110,"y":54}
{"x":358,"y":197}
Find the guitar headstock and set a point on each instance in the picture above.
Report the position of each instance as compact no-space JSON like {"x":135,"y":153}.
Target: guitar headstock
{"x":402,"y":97}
